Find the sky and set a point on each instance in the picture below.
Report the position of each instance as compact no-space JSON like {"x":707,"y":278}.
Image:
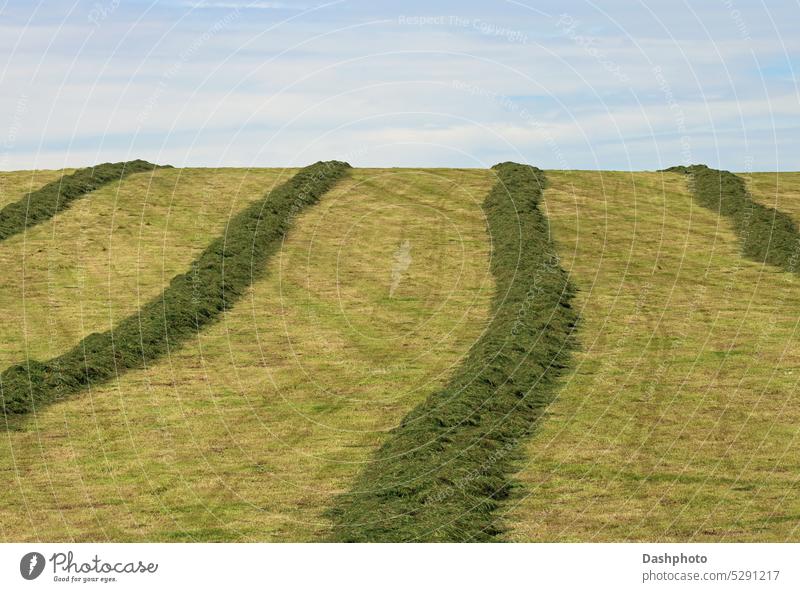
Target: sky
{"x":622,"y":85}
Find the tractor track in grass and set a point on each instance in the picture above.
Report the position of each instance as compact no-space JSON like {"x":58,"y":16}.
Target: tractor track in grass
{"x":42,"y":204}
{"x":217,"y":278}
{"x":443,"y":471}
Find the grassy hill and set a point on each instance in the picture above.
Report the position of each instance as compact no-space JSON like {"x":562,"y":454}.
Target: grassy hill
{"x":247,"y":433}
{"x":675,"y":419}
{"x":679,"y":419}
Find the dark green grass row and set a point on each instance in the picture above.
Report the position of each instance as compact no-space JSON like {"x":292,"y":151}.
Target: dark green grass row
{"x":767,"y":235}
{"x":217,"y":278}
{"x":44,"y":203}
{"x":442,"y":472}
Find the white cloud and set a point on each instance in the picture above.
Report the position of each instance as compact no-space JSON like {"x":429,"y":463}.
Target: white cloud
{"x":246,"y":5}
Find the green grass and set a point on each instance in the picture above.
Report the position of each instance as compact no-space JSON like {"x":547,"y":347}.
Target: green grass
{"x":767,"y":235}
{"x":45,"y":202}
{"x":676,"y":419}
{"x":14,"y":185}
{"x":99,"y":261}
{"x":776,"y":190}
{"x":679,"y":419}
{"x":216,"y":280}
{"x":442,"y":472}
{"x":249,"y":431}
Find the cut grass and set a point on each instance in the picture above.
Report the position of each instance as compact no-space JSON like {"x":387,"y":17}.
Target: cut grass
{"x":14,"y":185}
{"x":248,"y":432}
{"x":767,"y":235}
{"x":442,"y":472}
{"x":99,"y":261}
{"x":679,"y":421}
{"x":45,"y":202}
{"x":776,"y":190}
{"x":216,"y":280}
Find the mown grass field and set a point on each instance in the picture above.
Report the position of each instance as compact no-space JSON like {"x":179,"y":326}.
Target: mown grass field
{"x":15,"y":184}
{"x":442,"y":472}
{"x":676,"y":419}
{"x":679,"y":419}
{"x":100,"y":260}
{"x":248,"y":432}
{"x":776,"y":190}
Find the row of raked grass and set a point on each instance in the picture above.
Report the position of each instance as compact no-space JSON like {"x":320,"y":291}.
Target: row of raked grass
{"x":45,"y":202}
{"x":249,"y":430}
{"x":767,"y":235}
{"x":16,"y":184}
{"x":100,"y":260}
{"x":677,"y":420}
{"x":442,"y":473}
{"x":775,"y":190}
{"x":216,"y":279}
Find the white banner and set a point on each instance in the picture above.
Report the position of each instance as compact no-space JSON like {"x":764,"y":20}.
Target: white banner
{"x":372,"y":568}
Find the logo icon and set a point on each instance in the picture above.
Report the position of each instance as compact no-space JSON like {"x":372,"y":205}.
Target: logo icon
{"x":31,"y":565}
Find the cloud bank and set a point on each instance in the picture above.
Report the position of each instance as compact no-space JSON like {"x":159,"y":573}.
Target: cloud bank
{"x":570,"y":85}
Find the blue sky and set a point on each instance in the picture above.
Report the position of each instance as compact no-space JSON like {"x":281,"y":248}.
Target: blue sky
{"x":611,"y":85}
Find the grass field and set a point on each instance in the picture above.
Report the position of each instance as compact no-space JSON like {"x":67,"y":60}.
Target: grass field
{"x":679,"y":420}
{"x":98,"y":261}
{"x":15,"y":184}
{"x":776,"y":190}
{"x":442,"y":472}
{"x":675,"y":421}
{"x":247,"y":433}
